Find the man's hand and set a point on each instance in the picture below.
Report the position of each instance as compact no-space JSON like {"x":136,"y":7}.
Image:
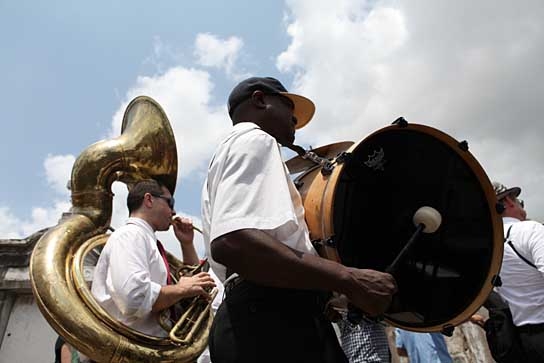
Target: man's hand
{"x":195,"y":285}
{"x":186,"y":287}
{"x":369,"y":290}
{"x":183,"y":229}
{"x":478,"y":320}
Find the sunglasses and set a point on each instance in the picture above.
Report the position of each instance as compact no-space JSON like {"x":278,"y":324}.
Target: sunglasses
{"x":169,"y":200}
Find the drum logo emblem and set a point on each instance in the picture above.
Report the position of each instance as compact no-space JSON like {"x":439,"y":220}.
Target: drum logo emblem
{"x":376,"y":161}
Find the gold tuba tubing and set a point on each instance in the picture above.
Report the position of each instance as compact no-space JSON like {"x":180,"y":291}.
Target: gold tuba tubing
{"x":145,"y":149}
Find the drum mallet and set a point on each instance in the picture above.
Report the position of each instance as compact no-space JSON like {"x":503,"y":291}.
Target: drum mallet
{"x":426,"y":220}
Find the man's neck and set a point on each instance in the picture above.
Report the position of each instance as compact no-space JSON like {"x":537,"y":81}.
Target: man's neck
{"x":144,"y":217}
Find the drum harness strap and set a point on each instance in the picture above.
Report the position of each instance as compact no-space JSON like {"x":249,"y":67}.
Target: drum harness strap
{"x":508,"y":241}
{"x":327,"y":165}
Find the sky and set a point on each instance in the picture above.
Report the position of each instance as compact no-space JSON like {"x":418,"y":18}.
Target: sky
{"x":69,"y":69}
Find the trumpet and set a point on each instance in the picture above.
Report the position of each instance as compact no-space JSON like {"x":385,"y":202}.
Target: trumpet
{"x":186,"y":317}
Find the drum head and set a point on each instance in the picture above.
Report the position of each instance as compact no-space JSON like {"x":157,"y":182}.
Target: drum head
{"x":393,"y":172}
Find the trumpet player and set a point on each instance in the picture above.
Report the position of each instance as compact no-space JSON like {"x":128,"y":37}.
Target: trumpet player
{"x":131,"y":279}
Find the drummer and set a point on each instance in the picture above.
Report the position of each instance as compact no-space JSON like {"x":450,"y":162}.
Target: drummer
{"x":256,"y":235}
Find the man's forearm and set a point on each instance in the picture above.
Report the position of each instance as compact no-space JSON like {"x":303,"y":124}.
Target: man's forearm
{"x":169,"y":295}
{"x":189,"y":255}
{"x":258,"y":257}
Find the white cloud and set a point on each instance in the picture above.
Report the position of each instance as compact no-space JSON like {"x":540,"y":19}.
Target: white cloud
{"x":57,"y":171}
{"x":211,"y":51}
{"x":9,"y":228}
{"x":436,"y":63}
{"x":44,"y":217}
{"x":198,"y":124}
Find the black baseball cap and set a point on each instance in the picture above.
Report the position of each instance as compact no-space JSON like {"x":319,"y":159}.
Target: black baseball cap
{"x":304,"y":107}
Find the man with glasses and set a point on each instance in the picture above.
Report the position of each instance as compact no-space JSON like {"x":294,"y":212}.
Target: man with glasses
{"x":522,"y":271}
{"x":131,"y":279}
{"x":258,"y":241}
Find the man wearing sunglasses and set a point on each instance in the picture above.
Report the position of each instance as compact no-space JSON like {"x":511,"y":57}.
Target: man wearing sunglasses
{"x":522,"y":271}
{"x":131,"y":279}
{"x":259,"y":244}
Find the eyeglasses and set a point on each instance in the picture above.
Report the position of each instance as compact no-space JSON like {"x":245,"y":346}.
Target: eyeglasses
{"x":169,"y":200}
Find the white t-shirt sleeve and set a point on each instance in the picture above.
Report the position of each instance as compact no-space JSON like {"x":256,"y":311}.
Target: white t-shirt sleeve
{"x":251,"y":188}
{"x":131,"y":287}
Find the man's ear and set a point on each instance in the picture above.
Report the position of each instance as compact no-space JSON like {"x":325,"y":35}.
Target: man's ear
{"x":148,"y":202}
{"x":257,"y":98}
{"x":508,"y":201}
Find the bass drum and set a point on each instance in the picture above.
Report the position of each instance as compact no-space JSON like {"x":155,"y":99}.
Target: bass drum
{"x":360,"y":215}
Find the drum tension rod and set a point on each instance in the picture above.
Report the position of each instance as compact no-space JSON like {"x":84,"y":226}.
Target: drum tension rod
{"x":401,"y":122}
{"x":447,"y":330}
{"x":463,"y":145}
{"x":343,"y":157}
{"x":496,"y":281}
{"x":329,"y":242}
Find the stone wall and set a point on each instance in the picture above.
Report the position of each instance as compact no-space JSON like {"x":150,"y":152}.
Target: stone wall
{"x":25,"y":336}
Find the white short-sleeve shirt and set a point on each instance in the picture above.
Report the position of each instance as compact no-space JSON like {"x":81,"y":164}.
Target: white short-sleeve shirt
{"x":248,"y":186}
{"x":523,"y":285}
{"x":129,"y":275}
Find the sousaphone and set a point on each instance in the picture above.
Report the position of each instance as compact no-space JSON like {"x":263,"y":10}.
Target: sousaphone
{"x":145,"y":149}
{"x":360,"y":206}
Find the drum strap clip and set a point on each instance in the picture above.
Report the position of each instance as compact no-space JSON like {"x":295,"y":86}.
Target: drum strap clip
{"x":329,"y":242}
{"x":343,"y":157}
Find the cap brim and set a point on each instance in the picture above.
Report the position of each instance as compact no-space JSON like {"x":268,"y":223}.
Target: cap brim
{"x":515,"y":191}
{"x":304,"y":108}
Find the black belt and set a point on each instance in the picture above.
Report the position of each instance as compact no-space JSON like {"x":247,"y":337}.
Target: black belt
{"x":531,"y":328}
{"x":240,"y":290}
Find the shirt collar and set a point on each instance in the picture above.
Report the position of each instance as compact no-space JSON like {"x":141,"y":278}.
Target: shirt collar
{"x":245,"y":125}
{"x":506,"y":220}
{"x":142,"y":223}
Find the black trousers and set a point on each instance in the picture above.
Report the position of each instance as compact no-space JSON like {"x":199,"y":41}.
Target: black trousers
{"x":257,"y":324}
{"x":532,"y":340}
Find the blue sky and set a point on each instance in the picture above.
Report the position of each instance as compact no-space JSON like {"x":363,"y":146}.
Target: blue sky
{"x":69,"y":69}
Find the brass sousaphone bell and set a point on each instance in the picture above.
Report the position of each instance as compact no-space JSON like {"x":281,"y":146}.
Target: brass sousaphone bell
{"x":145,"y":149}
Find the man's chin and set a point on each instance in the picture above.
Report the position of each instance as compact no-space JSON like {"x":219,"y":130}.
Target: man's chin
{"x":288,"y":141}
{"x":164,"y":228}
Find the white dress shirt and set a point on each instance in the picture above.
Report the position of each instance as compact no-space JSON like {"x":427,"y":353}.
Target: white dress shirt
{"x":248,"y":186}
{"x":129,"y":275}
{"x":523,"y":285}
